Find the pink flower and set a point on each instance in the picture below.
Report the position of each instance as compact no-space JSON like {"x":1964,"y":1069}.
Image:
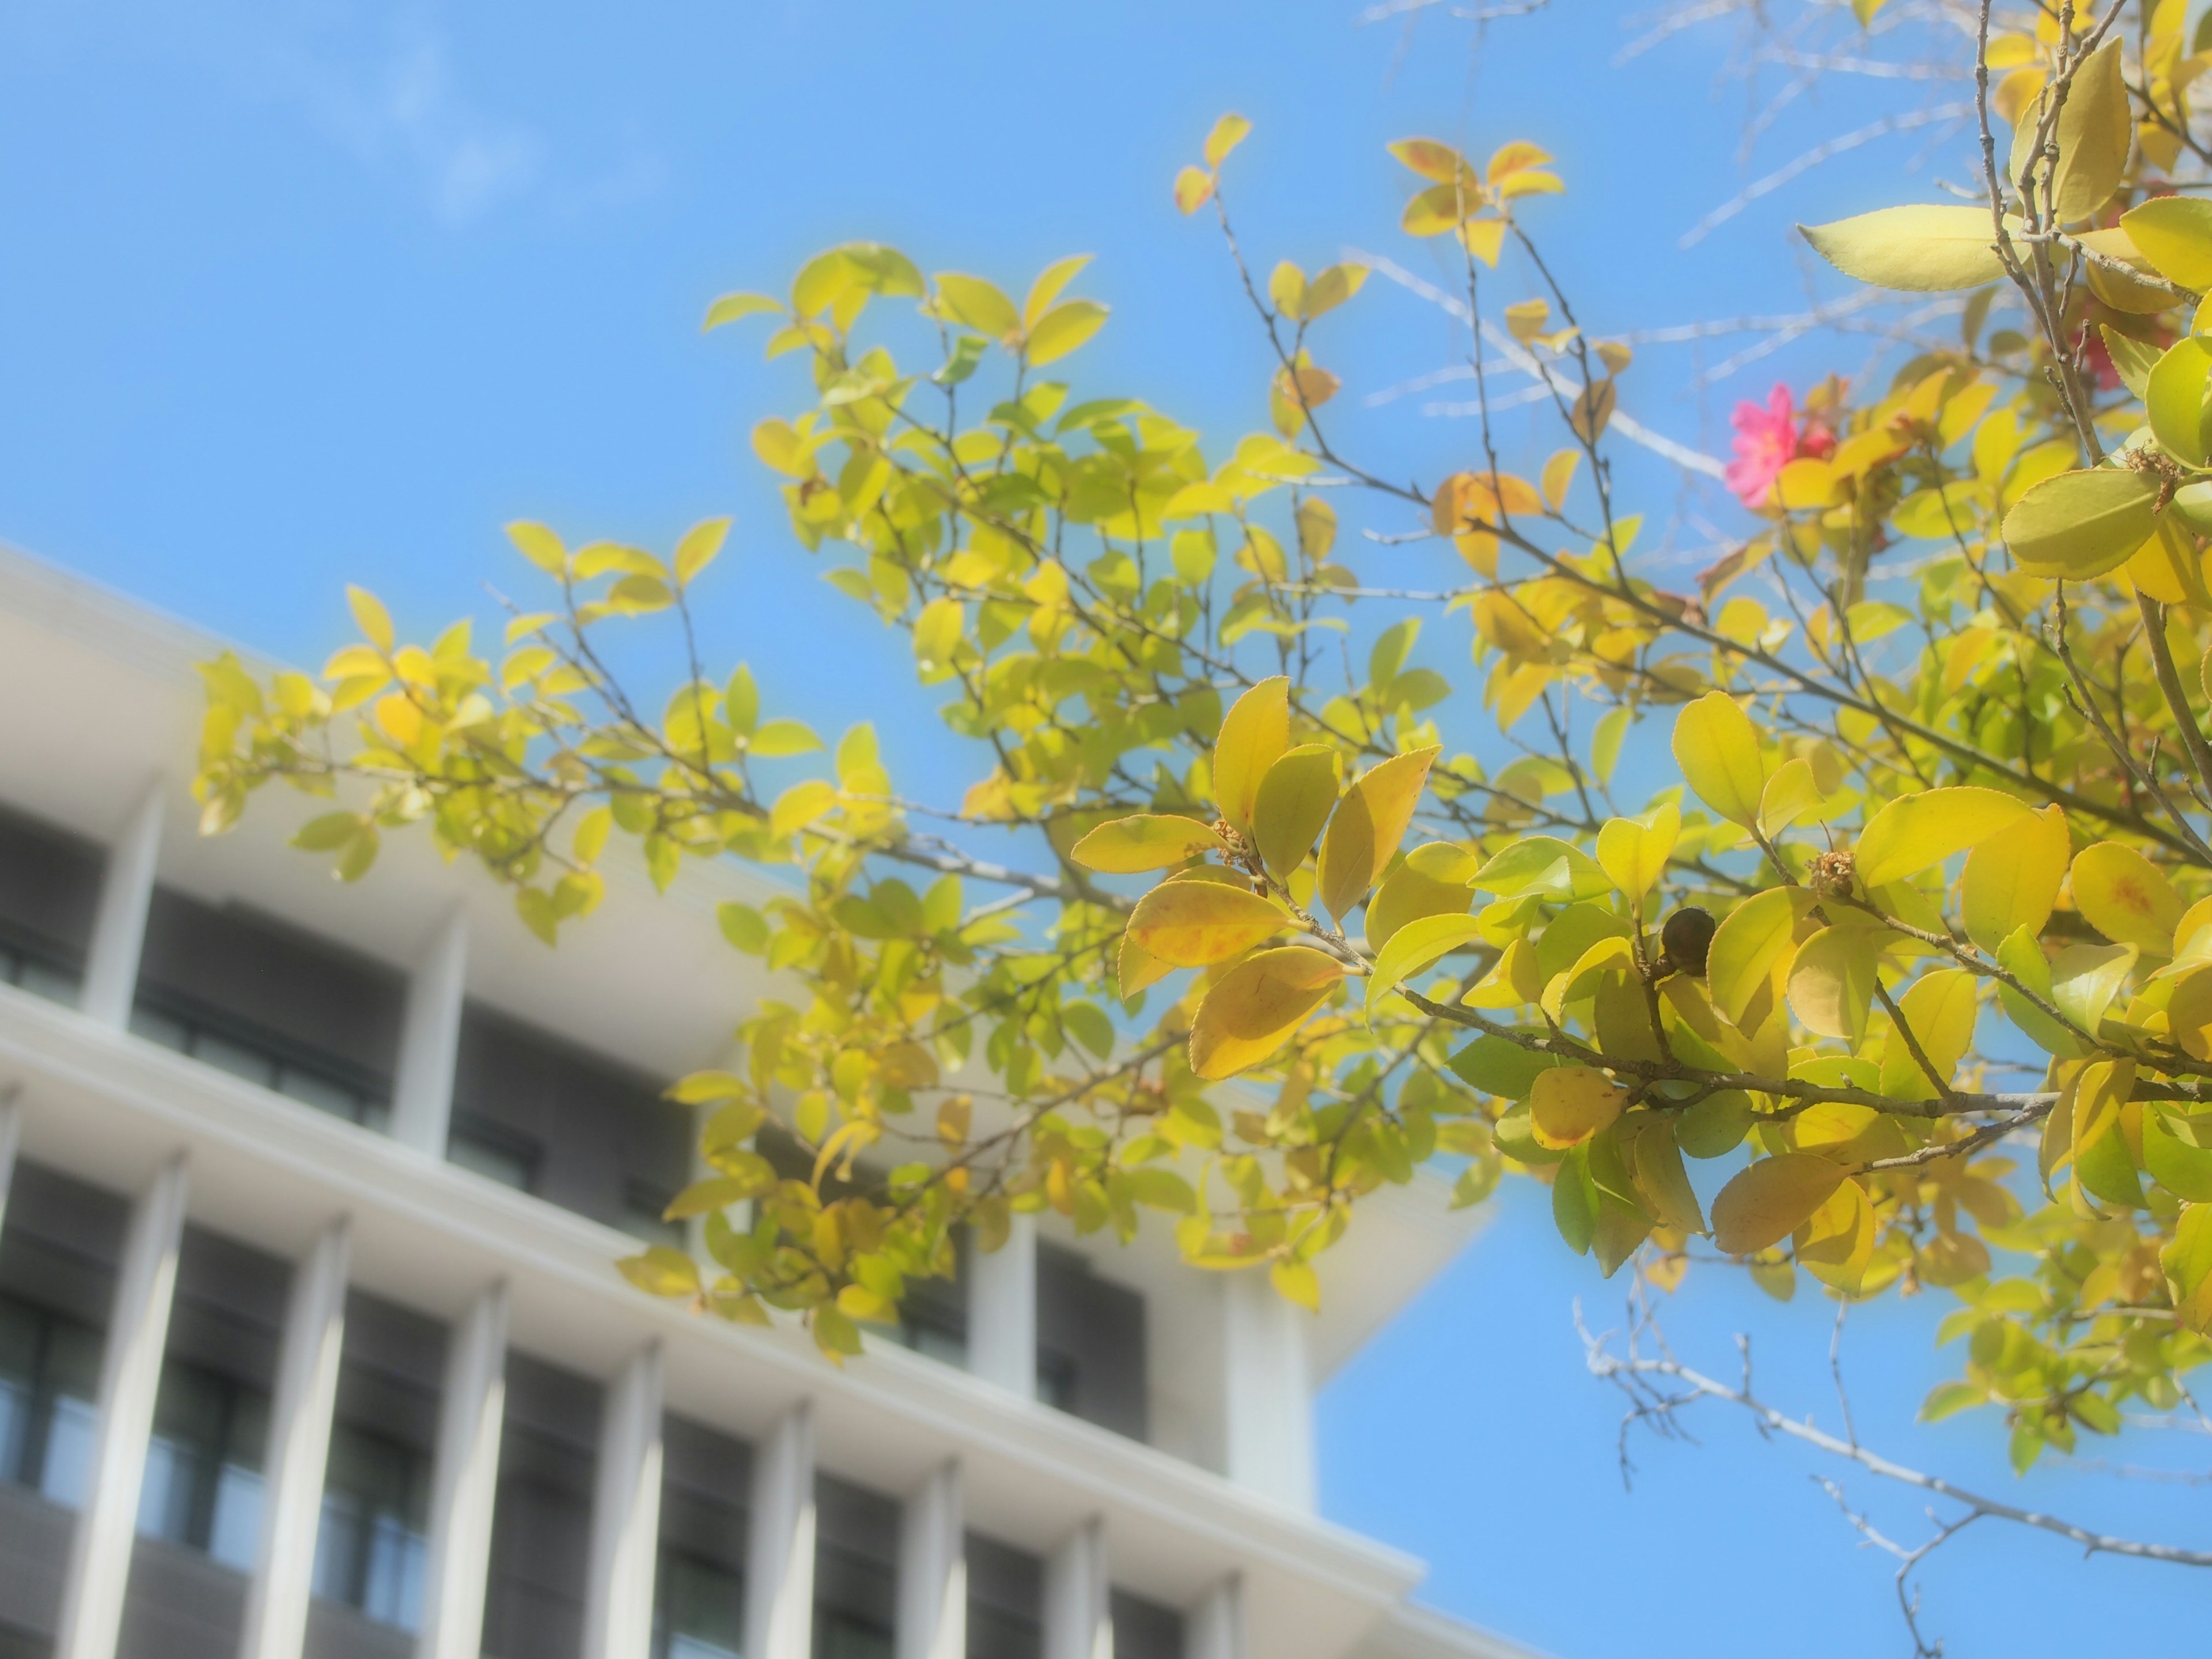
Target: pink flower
{"x":1765,"y":442}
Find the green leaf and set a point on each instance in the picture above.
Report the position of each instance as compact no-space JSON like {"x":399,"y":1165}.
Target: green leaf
{"x":731,"y":306}
{"x":1921,"y":249}
{"x":2022,"y":958}
{"x":1947,"y":1398}
{"x":2174,"y":233}
{"x":698,"y":548}
{"x":2174,"y":399}
{"x":1146,"y":841}
{"x":1543,"y":865}
{"x":776,"y":739}
{"x":1063,"y":329}
{"x":2083,"y":524}
{"x":1294,"y":801}
{"x":1413,"y":947}
{"x":742,"y":927}
{"x":1916,"y":830}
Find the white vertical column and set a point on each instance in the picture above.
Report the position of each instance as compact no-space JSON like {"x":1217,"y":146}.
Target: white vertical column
{"x":932,"y":1569}
{"x":1002,"y":1311}
{"x":119,"y":927}
{"x":130,"y":1378}
{"x":626,"y":1515}
{"x":429,"y":1040}
{"x":299,"y":1451}
{"x":1215,"y":1628}
{"x":1079,"y":1621}
{"x":465,"y":1481}
{"x":11,"y":1137}
{"x":780,"y":1555}
{"x":1266,"y":1393}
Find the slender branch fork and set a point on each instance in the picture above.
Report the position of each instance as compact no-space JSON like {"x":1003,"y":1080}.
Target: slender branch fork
{"x":1660,"y":1385}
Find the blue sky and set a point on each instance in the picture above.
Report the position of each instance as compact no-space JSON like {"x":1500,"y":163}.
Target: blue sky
{"x":299,"y":292}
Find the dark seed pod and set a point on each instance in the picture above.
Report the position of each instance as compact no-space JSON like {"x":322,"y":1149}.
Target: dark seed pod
{"x":1687,"y":937}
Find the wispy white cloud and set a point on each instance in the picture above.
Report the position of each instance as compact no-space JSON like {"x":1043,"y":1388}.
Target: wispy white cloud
{"x":399,"y":106}
{"x":387,"y":84}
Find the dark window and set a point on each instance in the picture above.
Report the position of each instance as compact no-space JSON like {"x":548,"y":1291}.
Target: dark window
{"x":370,"y":1550}
{"x":1090,"y":1344}
{"x":541,"y":1539}
{"x":1145,"y":1629}
{"x":203,"y":1489}
{"x":203,"y":1486}
{"x":596,"y":1138}
{"x":645,"y":1207}
{"x":934,"y":1315}
{"x":57,"y":1276}
{"x":49,"y":894}
{"x":699,"y":1587}
{"x":855,"y":1570}
{"x":1006,"y":1601}
{"x":250,"y":995}
{"x":493,"y":1151}
{"x":49,"y":1381}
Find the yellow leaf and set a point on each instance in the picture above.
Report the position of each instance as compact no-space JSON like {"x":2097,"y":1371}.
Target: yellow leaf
{"x":1370,"y":822}
{"x":1832,"y":981}
{"x":1571,"y":1103}
{"x":371,"y":617}
{"x":1255,"y":734}
{"x":2125,"y":897}
{"x":2083,"y":524}
{"x":1789,"y":794}
{"x":1146,"y":842}
{"x":1739,"y":961}
{"x":1836,"y":1242}
{"x":698,"y":548}
{"x":2174,"y":233}
{"x":1431,"y":880}
{"x":539,"y":546}
{"x":1331,"y":290}
{"x":2103,"y":1164}
{"x":2012,"y":879}
{"x":1136,"y":968}
{"x":2189,"y":1013}
{"x":2093,"y":135}
{"x":1940,"y":1008}
{"x":1256,"y":1006}
{"x":1064,"y":328}
{"x":799,"y":807}
{"x":1413,"y":947}
{"x":979,"y":304}
{"x":1294,"y":801}
{"x":1558,"y":475}
{"x":1296,"y":1283}
{"x":1287,"y":288}
{"x":1717,"y":749}
{"x":661,"y":1270}
{"x":1432,"y":160}
{"x":1527,"y":320}
{"x":1228,"y":132}
{"x":1921,"y":249}
{"x":2187,"y":1262}
{"x":1195,"y":924}
{"x":1634,"y":852}
{"x":1055,"y":277}
{"x":1771,"y":1199}
{"x":1194,"y":189}
{"x":1916,"y":830}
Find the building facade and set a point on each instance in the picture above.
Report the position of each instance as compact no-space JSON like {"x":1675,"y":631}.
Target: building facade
{"x":311,"y":1343}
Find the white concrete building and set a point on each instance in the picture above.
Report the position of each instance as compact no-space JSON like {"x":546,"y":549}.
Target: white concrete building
{"x":310,"y":1343}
